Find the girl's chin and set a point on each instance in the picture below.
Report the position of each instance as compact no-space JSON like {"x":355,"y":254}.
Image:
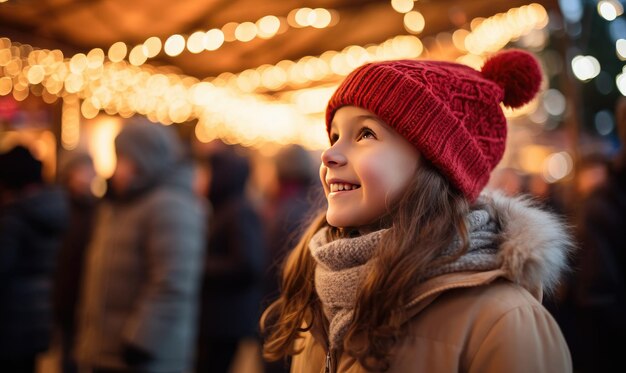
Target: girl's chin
{"x":339,"y":222}
{"x":353,"y":225}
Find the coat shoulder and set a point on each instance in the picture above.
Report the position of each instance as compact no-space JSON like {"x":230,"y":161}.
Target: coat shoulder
{"x":175,"y":202}
{"x":472,"y":323}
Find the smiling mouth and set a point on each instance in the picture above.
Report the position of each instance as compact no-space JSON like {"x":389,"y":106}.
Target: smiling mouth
{"x":342,"y":187}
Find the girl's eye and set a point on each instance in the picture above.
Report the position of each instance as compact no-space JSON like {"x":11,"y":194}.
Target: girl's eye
{"x":366,"y":133}
{"x":333,"y":138}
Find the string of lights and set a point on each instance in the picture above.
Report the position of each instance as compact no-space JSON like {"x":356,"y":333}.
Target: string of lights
{"x":106,"y":82}
{"x":265,"y":27}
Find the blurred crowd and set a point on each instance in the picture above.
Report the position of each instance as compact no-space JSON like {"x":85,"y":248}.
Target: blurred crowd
{"x":170,"y":269}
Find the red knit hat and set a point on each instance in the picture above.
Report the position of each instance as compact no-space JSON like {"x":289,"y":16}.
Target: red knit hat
{"x":450,"y":112}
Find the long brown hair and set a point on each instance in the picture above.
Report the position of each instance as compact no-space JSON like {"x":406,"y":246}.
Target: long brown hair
{"x":426,"y":219}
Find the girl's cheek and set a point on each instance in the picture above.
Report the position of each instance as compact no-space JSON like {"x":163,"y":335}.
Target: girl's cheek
{"x":322,"y":173}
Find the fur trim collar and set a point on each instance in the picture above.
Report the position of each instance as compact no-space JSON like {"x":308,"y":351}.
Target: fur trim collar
{"x":535,"y":244}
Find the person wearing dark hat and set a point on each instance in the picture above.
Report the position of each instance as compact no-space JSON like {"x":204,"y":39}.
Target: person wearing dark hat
{"x":33,"y":218}
{"x":412,"y":267}
{"x":142,"y":277}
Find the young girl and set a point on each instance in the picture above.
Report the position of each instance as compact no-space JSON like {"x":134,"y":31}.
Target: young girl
{"x":411,"y":269}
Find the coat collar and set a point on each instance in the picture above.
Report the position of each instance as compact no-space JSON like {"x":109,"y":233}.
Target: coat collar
{"x":533,"y":252}
{"x":535,"y":244}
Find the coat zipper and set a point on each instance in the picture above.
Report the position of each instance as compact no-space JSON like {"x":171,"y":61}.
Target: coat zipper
{"x":329,"y":361}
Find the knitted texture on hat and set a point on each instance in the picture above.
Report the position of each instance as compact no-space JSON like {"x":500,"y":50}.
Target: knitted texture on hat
{"x":450,"y":112}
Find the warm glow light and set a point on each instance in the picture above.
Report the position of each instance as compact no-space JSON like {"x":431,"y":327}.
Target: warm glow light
{"x":493,"y":33}
{"x":179,"y":111}
{"x":458,"y":39}
{"x":229,"y":31}
{"x":268,"y":26}
{"x":291,"y":18}
{"x":620,"y":81}
{"x":314,"y":100}
{"x":319,"y":18}
{"x":152,"y":47}
{"x":78,"y":63}
{"x":414,"y":22}
{"x":249,"y":80}
{"x":5,"y":56}
{"x":13,"y":67}
{"x":610,"y":9}
{"x":585,"y":67}
{"x":57,"y":55}
{"x":117,"y":52}
{"x":88,"y":109}
{"x":274,"y":78}
{"x":20,"y":93}
{"x":620,"y":48}
{"x":246,"y":31}
{"x":406,"y":46}
{"x":95,"y":58}
{"x":70,"y":123}
{"x":6,"y":85}
{"x":402,"y":6}
{"x":195,"y":43}
{"x":531,"y":158}
{"x":302,"y":17}
{"x":203,"y":134}
{"x":174,"y":45}
{"x":74,"y":83}
{"x":329,"y":64}
{"x":202,"y":93}
{"x":103,"y":133}
{"x":123,"y":89}
{"x":48,"y":98}
{"x":557,"y":166}
{"x":36,"y":74}
{"x":137,"y":56}
{"x":214,"y":39}
{"x":472,"y":60}
{"x":98,"y":186}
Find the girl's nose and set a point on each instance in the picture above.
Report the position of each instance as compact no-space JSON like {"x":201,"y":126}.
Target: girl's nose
{"x":333,"y":157}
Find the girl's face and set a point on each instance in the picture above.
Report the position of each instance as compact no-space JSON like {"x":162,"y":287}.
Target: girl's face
{"x":365,"y":170}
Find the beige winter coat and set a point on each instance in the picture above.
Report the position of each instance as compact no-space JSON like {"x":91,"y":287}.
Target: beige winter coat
{"x":478,"y":322}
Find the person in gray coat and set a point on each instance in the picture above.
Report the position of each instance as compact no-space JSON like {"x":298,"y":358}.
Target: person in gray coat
{"x":142,"y":277}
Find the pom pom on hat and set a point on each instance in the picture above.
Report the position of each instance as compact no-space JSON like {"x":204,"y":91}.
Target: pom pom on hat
{"x":517,"y":73}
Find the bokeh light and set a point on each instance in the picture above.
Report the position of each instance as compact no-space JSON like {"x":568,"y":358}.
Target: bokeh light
{"x":117,"y":51}
{"x":402,"y":6}
{"x":174,"y":45}
{"x":214,"y":39}
{"x":585,"y":67}
{"x":152,"y":46}
{"x":414,"y":22}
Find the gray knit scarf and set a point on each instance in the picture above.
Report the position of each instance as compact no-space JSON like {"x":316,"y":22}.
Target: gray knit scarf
{"x":343,"y":263}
